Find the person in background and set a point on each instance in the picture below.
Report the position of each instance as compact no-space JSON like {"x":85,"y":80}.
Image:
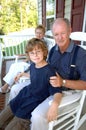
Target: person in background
{"x":17,"y":113}
{"x":40,"y":34}
{"x":16,"y":71}
{"x":66,"y":58}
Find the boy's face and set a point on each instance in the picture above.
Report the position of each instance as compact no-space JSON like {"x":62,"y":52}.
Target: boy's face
{"x":36,"y":55}
{"x":39,"y":33}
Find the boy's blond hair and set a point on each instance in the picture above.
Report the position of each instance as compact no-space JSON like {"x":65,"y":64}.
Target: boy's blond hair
{"x":34,"y":42}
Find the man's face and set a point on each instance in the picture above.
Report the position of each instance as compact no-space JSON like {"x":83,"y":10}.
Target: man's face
{"x":61,"y":34}
{"x":39,"y":33}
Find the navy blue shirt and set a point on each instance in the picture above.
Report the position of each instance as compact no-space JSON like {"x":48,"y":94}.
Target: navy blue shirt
{"x":33,"y":94}
{"x":61,"y":62}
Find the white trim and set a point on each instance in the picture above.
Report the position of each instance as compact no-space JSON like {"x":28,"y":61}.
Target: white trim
{"x":84,"y":22}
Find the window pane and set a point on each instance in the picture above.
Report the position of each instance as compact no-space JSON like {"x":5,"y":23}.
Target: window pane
{"x":49,"y":7}
{"x":50,"y":13}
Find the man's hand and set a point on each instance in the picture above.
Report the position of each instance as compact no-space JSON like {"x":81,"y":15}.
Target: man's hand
{"x":52,"y":112}
{"x":56,"y":81}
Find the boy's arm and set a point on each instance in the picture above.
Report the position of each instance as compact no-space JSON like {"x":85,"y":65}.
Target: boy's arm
{"x":21,"y":75}
{"x":53,"y":110}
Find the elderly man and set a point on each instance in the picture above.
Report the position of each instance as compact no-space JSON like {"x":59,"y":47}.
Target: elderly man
{"x":66,"y":59}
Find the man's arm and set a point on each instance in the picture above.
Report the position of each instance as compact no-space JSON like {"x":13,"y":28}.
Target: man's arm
{"x":75,"y":84}
{"x":57,"y":81}
{"x":53,"y":110}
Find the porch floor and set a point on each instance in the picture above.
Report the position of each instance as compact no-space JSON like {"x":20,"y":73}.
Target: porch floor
{"x":2,"y":101}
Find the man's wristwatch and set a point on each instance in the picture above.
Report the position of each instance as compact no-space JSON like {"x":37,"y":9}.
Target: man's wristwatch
{"x":63,"y":82}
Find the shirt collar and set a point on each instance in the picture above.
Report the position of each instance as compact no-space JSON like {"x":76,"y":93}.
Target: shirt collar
{"x":69,"y":49}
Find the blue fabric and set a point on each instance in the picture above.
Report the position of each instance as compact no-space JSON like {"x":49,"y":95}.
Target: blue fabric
{"x":32,"y":95}
{"x":62,"y":62}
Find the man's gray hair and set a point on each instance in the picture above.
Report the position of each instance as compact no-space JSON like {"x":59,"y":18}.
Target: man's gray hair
{"x":62,"y":19}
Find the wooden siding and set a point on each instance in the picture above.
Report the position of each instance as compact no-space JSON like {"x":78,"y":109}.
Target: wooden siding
{"x":77,"y":14}
{"x":44,"y":12}
{"x":70,"y":10}
{"x":60,"y":5}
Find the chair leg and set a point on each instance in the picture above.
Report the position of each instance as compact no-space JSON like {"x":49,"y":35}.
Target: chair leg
{"x":82,"y":123}
{"x":80,"y":110}
{"x":51,"y":124}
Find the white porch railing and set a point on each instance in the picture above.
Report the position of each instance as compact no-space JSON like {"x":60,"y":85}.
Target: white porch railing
{"x":14,"y":44}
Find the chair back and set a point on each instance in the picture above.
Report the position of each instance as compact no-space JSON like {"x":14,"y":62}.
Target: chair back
{"x":79,"y":36}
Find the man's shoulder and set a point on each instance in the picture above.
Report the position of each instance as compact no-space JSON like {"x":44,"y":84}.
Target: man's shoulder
{"x":81,"y":53}
{"x":53,"y":48}
{"x":82,"y":50}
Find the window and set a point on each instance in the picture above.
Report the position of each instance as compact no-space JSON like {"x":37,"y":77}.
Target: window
{"x":50,"y":13}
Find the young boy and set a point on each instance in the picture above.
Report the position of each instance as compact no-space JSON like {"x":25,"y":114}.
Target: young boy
{"x":18,"y":113}
{"x":17,"y":70}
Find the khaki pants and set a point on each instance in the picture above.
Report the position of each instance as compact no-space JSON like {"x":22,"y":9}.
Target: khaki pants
{"x":10,"y":122}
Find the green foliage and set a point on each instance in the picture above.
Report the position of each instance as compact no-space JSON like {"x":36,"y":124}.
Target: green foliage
{"x":17,"y":15}
{"x":1,"y":33}
{"x":50,"y":13}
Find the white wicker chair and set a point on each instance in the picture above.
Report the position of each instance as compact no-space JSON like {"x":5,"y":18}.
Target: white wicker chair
{"x":82,"y":123}
{"x":70,"y":109}
{"x":21,"y":57}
